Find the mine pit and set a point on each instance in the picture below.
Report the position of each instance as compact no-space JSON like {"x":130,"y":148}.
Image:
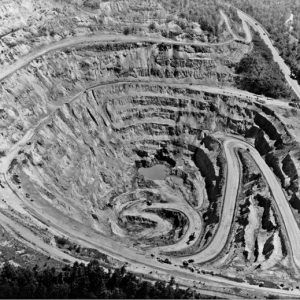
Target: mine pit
{"x":140,"y":164}
{"x":145,"y":151}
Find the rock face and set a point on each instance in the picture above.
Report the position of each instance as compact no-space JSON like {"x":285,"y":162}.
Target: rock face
{"x":83,"y":154}
{"x":78,"y":123}
{"x":50,"y":80}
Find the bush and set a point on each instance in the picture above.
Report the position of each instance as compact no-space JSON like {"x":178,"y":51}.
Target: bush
{"x":152,"y":26}
{"x":92,"y":4}
{"x":130,"y":30}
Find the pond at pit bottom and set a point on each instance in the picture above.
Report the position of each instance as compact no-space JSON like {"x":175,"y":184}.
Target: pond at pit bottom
{"x":157,"y":172}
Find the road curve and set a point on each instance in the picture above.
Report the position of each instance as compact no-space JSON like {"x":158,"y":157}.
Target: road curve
{"x":230,"y":145}
{"x":141,"y":209}
{"x":233,"y":170}
{"x":143,"y":265}
{"x":277,"y":58}
{"x":220,"y":239}
{"x":88,"y":238}
{"x":232,"y":187}
{"x":283,"y":207}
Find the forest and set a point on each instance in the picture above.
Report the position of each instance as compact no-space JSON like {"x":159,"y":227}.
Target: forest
{"x":273,"y":16}
{"x":259,"y":74}
{"x":84,"y":282}
{"x":270,"y":13}
{"x":204,"y":12}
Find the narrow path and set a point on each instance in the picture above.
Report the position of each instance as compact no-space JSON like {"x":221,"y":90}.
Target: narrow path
{"x":248,"y":37}
{"x":225,"y":18}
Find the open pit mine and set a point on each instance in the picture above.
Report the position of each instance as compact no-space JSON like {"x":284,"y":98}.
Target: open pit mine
{"x":138,"y":150}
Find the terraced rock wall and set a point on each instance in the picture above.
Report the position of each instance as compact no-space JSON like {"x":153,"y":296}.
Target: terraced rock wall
{"x":88,"y":118}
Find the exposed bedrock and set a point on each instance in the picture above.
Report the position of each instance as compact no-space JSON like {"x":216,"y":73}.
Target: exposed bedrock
{"x":258,"y":239}
{"x":54,"y":78}
{"x":88,"y":152}
{"x":266,"y":124}
{"x":89,"y":118}
{"x":274,"y":142}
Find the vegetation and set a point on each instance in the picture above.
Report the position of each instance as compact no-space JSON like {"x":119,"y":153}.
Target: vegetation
{"x":273,"y":16}
{"x":204,"y":12}
{"x":83,"y":281}
{"x":92,"y":4}
{"x":259,"y":74}
{"x":130,"y":30}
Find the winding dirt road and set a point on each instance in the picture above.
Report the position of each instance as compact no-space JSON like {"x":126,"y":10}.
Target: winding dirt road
{"x":292,"y":229}
{"x":86,"y":237}
{"x":138,"y":263}
{"x":231,"y":144}
{"x":233,"y":168}
{"x":232,"y":186}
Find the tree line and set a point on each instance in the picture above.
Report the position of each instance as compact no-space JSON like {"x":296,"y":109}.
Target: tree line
{"x":84,"y":281}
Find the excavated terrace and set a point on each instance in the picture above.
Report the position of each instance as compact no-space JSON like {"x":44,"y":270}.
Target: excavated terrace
{"x":124,"y":142}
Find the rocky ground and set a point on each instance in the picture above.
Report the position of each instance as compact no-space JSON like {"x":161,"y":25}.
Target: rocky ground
{"x":119,"y":141}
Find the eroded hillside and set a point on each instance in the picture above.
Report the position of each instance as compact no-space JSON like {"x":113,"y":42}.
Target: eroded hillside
{"x":138,"y":148}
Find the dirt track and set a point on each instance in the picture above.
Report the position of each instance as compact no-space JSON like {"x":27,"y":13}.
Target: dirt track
{"x":76,"y":231}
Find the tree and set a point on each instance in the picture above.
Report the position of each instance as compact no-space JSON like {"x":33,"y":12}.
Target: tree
{"x":259,"y":74}
{"x":81,"y":281}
